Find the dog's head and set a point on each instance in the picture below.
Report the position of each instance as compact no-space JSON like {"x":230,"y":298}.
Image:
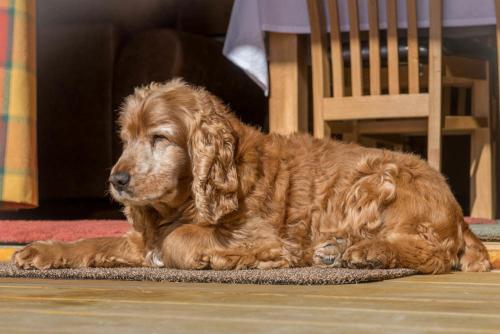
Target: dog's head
{"x":178,"y":143}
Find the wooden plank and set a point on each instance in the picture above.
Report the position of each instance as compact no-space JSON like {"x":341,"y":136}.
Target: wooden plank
{"x":380,"y":127}
{"x":482,"y":183}
{"x":392,"y":47}
{"x":457,"y":66}
{"x":355,"y":49}
{"x":336,"y":50}
{"x":353,"y":135}
{"x":391,"y":142}
{"x":497,"y":14}
{"x":435,"y":73}
{"x":288,"y":83}
{"x":452,"y":125}
{"x":374,"y":47}
{"x":447,"y":100}
{"x":495,"y":104}
{"x":469,"y":123}
{"x":457,"y":82}
{"x":430,"y":303}
{"x":461,"y":100}
{"x":347,"y":317}
{"x":413,"y":62}
{"x":472,"y":281}
{"x":320,"y":67}
{"x":377,"y":106}
{"x":258,"y":306}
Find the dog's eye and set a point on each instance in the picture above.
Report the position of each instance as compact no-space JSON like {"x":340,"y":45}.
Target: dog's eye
{"x":157,"y":139}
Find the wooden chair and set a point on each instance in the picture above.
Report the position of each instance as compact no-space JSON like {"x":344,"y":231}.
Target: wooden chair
{"x":356,"y":94}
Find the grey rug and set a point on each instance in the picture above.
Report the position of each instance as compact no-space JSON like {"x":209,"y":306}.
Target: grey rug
{"x":299,"y":276}
{"x":486,"y":232}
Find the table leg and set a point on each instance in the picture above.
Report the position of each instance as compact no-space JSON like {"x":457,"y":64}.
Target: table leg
{"x":288,"y":83}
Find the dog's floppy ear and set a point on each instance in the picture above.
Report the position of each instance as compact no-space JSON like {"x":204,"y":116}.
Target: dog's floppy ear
{"x":212,"y":146}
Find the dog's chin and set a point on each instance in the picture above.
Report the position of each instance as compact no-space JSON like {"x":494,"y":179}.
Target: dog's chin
{"x":127,"y":197}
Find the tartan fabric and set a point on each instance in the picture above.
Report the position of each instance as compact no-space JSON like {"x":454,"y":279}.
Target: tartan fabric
{"x":18,"y":164}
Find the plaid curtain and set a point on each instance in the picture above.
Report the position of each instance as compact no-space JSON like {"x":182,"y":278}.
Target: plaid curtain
{"x":18,"y":163}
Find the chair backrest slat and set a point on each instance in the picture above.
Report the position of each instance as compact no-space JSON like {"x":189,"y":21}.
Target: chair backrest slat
{"x":355,"y":49}
{"x":392,"y":47}
{"x":374,"y":47}
{"x":318,"y":46}
{"x":336,"y":50}
{"x":320,"y":67}
{"x":435,"y":84}
{"x":413,"y":61}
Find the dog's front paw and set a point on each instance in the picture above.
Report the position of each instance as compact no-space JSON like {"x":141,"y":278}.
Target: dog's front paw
{"x":329,"y":254}
{"x":38,"y":255}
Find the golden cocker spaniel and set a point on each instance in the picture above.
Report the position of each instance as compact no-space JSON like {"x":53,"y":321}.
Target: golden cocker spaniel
{"x":204,"y":191}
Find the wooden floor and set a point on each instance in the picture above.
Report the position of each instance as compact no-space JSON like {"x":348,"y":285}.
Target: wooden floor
{"x":455,"y":303}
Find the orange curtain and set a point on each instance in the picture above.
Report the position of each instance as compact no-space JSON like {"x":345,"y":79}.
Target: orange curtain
{"x":18,"y":163}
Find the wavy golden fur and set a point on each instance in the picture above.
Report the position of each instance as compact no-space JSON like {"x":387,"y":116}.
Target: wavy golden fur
{"x":202,"y":190}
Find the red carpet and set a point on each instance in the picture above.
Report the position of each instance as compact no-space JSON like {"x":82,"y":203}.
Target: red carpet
{"x":472,"y":220}
{"x":22,"y":231}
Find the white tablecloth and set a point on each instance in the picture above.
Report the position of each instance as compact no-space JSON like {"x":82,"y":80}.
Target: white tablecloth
{"x":244,"y":43}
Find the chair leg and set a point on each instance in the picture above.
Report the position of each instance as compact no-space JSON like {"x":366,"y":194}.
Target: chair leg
{"x":327,"y":131}
{"x":435,"y":120}
{"x":481,"y":171}
{"x":446,"y":100}
{"x":352,"y":137}
{"x":288,"y":88}
{"x":434,"y":139}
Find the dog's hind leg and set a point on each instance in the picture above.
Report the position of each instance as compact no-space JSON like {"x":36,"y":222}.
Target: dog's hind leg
{"x":396,"y":251}
{"x":474,"y":256}
{"x":402,"y":251}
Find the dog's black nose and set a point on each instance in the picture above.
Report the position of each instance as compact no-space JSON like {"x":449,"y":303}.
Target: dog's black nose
{"x":119,"y":180}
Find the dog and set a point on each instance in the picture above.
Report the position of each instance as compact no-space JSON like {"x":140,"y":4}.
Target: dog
{"x":204,"y":191}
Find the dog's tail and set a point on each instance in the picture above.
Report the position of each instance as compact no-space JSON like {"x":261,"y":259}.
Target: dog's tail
{"x":474,"y":256}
